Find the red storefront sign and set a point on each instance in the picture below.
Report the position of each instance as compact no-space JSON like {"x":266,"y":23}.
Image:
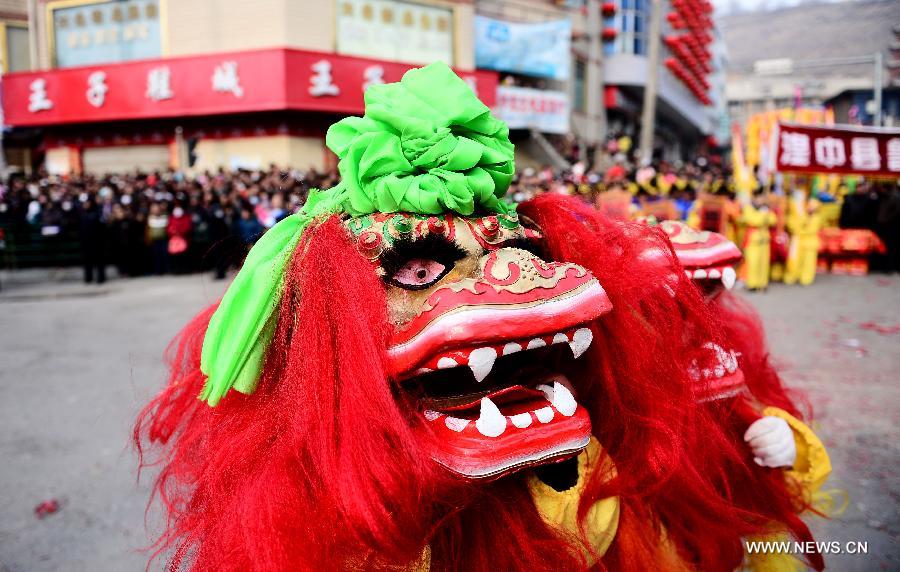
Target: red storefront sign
{"x":237,"y":82}
{"x":841,"y":149}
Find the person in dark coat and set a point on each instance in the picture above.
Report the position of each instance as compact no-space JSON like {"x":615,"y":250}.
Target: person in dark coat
{"x":887,"y":226}
{"x":93,"y":234}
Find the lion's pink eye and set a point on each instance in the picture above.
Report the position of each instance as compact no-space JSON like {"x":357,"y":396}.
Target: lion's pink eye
{"x":418,"y":273}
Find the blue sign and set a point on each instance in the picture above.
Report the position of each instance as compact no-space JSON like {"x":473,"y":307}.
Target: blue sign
{"x":541,"y":49}
{"x":104,"y":32}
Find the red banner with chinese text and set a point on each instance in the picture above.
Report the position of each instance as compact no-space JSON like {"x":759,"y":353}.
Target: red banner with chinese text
{"x":839,"y":149}
{"x":213,"y":84}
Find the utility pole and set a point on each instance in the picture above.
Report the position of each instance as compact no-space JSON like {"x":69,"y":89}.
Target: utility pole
{"x":879,"y":86}
{"x":648,"y":117}
{"x":595,"y":130}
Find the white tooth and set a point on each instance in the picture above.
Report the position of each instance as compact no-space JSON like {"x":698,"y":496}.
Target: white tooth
{"x":731,"y":363}
{"x":490,"y":423}
{"x":715,"y":273}
{"x":698,"y":274}
{"x":728,"y":277}
{"x":687,"y":273}
{"x":544,"y":414}
{"x":456,"y":424}
{"x":563,"y":400}
{"x":536,"y":343}
{"x":481,"y":361}
{"x":522,"y":420}
{"x":431,"y":415}
{"x":560,"y":338}
{"x":511,"y":348}
{"x":546,"y":390}
{"x":581,"y":341}
{"x":446,"y":363}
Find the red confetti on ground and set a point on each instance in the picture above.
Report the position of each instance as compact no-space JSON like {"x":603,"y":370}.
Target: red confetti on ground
{"x":883,"y":282}
{"x":883,"y":330}
{"x":46,"y":508}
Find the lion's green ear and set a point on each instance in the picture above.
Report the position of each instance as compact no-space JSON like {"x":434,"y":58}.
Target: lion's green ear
{"x":242,"y":326}
{"x":237,"y":336}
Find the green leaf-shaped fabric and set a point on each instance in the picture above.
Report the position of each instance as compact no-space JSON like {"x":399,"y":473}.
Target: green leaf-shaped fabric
{"x":426,"y":145}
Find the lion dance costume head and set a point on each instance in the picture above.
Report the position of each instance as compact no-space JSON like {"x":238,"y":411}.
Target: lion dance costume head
{"x":410,"y":374}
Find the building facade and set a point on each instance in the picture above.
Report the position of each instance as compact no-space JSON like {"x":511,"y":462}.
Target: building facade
{"x":689,"y":73}
{"x":216,"y":83}
{"x":101,"y":85}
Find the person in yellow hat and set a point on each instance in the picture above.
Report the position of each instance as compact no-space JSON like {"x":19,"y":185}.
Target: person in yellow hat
{"x":804,"y":223}
{"x":757,"y":219}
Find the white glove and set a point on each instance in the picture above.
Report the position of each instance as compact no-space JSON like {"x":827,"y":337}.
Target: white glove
{"x":772,"y":442}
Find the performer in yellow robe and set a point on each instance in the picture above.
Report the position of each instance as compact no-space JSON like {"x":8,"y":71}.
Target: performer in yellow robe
{"x":756,"y":219}
{"x":804,"y":223}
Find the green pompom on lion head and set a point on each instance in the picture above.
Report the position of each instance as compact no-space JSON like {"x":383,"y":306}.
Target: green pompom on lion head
{"x":426,"y":145}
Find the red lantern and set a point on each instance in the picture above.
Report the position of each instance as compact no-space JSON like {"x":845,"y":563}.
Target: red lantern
{"x":608,"y":34}
{"x":608,"y":9}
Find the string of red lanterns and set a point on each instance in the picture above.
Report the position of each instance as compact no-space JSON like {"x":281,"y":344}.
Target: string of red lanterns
{"x":690,"y":47}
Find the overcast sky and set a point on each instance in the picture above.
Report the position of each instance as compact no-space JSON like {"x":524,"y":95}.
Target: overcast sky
{"x":726,"y":6}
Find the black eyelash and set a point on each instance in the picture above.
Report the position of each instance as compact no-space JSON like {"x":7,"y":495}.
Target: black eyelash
{"x":431,"y":246}
{"x":525,"y":244}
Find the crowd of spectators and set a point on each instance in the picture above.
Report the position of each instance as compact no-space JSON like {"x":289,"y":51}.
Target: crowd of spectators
{"x":154,"y":223}
{"x":166,"y":222}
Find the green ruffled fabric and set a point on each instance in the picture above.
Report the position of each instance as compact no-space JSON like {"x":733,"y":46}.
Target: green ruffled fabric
{"x":426,"y":145}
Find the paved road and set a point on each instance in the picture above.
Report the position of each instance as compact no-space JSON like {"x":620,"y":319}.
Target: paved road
{"x":78,"y":362}
{"x":827,"y":341}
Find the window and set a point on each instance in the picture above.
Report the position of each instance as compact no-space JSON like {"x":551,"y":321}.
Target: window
{"x":631,"y":24}
{"x":580,"y":85}
{"x":14,"y":50}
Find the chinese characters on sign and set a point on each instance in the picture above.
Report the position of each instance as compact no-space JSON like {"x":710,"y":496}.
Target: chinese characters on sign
{"x":225,"y":79}
{"x":795,"y":149}
{"x":526,"y":108}
{"x":237,"y":82}
{"x":374,"y":75}
{"x":836,"y":149}
{"x":395,"y":30}
{"x":97,"y":88}
{"x":159,"y":85}
{"x":37,"y":100}
{"x":322,"y":83}
{"x":103,"y":32}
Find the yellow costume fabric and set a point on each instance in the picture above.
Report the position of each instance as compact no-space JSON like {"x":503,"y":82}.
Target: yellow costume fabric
{"x":757,"y":253}
{"x":804,"y":251}
{"x":810,"y":471}
{"x":559,"y":509}
{"x":813,"y":465}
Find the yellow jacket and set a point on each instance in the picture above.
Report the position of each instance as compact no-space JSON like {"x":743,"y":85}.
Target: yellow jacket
{"x":810,"y":471}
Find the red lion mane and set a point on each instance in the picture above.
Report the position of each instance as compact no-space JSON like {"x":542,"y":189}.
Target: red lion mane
{"x":320,"y":468}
